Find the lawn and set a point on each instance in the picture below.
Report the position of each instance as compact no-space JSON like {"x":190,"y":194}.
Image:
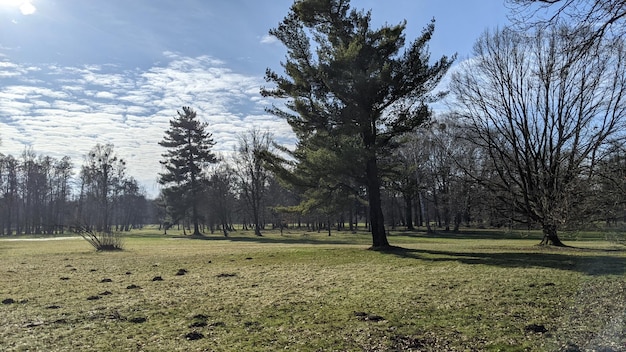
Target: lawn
{"x":309,"y":292}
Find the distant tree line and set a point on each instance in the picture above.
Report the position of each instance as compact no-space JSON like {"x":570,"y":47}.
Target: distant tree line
{"x":34,"y":194}
{"x":41,"y":195}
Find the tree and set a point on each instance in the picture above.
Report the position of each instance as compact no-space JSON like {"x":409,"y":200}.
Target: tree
{"x":131,"y":205}
{"x":349,"y":85}
{"x":60,"y":190}
{"x":188,"y":153}
{"x":9,"y":182}
{"x":100,"y":179}
{"x":543,"y":113}
{"x":605,"y":17}
{"x":610,"y":186}
{"x":253,"y":177}
{"x":221,"y":191}
{"x":33,"y":193}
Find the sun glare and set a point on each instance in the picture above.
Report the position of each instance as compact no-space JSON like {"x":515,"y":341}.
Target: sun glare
{"x":26,"y":7}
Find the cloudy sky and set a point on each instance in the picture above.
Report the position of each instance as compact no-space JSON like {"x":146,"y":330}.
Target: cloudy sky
{"x":74,"y":73}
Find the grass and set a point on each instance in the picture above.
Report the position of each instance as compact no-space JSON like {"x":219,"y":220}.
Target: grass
{"x":310,"y":292}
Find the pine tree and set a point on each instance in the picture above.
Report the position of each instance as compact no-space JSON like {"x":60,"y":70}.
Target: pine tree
{"x":188,"y":153}
{"x":351,"y":87}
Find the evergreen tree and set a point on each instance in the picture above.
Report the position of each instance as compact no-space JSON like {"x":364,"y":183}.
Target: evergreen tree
{"x":188,"y":153}
{"x":351,"y":87}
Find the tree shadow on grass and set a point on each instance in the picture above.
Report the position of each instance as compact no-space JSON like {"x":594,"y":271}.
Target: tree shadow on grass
{"x":297,"y":238}
{"x":467,"y":234}
{"x":566,"y":236}
{"x":594,"y":262}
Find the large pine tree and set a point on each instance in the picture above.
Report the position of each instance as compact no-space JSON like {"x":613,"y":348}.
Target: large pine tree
{"x":350,"y":87}
{"x":188,"y":153}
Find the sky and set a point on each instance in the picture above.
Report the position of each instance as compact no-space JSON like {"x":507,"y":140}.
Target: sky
{"x":75,"y":73}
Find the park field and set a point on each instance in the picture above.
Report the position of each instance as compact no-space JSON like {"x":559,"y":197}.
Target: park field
{"x":298,"y":291}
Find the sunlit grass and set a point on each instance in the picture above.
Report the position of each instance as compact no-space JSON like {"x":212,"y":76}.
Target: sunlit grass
{"x":310,"y":292}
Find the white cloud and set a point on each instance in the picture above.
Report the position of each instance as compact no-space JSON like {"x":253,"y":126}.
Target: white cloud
{"x":269,"y":39}
{"x":67,"y":110}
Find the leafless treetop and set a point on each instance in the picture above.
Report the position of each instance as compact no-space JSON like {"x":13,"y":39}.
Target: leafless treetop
{"x":605,"y":17}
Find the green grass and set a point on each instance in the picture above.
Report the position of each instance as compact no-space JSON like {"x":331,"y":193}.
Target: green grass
{"x":474,"y":291}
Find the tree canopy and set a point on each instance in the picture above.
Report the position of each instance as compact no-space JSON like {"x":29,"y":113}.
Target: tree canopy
{"x":351,"y":87}
{"x":599,"y":18}
{"x":543,"y":111}
{"x":189,"y":151}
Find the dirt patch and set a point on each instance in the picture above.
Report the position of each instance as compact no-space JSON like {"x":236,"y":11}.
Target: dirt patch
{"x":194,"y":335}
{"x":222,"y":275}
{"x":368,"y":317}
{"x":536,"y":328}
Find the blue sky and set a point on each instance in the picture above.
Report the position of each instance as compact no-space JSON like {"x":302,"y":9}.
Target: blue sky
{"x":74,"y":73}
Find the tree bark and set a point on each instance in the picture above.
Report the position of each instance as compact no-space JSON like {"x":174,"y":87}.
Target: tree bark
{"x":550,"y":237}
{"x":379,"y":235}
{"x":408,"y":211}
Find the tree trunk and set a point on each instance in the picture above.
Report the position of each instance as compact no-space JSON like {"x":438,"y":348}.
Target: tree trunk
{"x":257,"y":218}
{"x":408,"y":211}
{"x":196,"y":225}
{"x":379,"y":236}
{"x":550,"y":237}
{"x":194,"y":204}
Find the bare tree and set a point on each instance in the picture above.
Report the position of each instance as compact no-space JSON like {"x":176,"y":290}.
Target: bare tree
{"x":543,"y":114}
{"x":252,"y":175}
{"x":34,"y":192}
{"x":100,"y":179}
{"x":605,"y":17}
{"x":610,"y":184}
{"x":221,"y":192}
{"x":9,"y":191}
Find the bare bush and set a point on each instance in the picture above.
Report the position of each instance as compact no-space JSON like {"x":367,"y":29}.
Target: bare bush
{"x":101,"y":241}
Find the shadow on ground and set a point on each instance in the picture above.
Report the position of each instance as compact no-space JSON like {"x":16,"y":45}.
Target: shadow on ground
{"x":590,"y":262}
{"x":297,"y":238}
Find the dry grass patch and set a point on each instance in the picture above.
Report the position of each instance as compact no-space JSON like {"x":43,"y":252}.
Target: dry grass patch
{"x":247,"y":294}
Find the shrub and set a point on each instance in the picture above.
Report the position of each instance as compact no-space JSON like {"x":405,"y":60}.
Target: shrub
{"x":101,"y":241}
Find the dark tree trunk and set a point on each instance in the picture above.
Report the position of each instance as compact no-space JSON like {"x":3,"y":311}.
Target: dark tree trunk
{"x":377,"y":221}
{"x":408,"y":211}
{"x":257,"y":218}
{"x":257,"y":229}
{"x":550,"y":237}
{"x":194,"y":205}
{"x":196,"y":225}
